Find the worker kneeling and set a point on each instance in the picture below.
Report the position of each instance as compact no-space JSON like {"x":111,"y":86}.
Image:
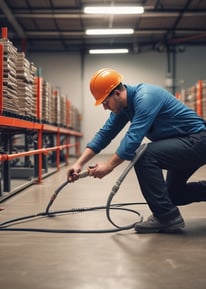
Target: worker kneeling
{"x":177,"y":144}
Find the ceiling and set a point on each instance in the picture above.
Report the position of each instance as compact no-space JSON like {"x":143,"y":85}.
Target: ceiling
{"x":59,"y":25}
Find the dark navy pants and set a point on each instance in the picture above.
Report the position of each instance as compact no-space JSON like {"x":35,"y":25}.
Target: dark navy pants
{"x":180,"y":157}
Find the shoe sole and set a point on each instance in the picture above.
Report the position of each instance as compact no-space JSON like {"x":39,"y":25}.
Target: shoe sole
{"x":170,"y":229}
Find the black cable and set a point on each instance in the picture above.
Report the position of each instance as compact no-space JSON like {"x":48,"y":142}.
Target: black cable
{"x":5,"y":225}
{"x":54,"y":197}
{"x":44,"y":230}
{"x":116,"y":187}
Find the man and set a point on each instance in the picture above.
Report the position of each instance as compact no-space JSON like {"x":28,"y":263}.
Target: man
{"x":178,"y":145}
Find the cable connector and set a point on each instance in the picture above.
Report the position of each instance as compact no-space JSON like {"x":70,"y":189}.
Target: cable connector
{"x":115,"y":188}
{"x":85,"y":173}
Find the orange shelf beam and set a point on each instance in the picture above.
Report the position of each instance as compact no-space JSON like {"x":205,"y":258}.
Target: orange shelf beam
{"x":8,"y":157}
{"x":19,"y":123}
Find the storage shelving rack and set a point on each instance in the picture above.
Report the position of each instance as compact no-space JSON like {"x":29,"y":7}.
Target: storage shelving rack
{"x":34,"y":131}
{"x":195,"y":97}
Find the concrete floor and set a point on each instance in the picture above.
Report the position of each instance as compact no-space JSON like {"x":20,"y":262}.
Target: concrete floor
{"x":31,"y":260}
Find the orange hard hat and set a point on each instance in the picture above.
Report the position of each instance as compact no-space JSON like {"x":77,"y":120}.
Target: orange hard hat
{"x":103,"y":82}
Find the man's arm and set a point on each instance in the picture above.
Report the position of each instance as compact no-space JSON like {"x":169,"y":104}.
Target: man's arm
{"x":102,"y":169}
{"x":86,"y":156}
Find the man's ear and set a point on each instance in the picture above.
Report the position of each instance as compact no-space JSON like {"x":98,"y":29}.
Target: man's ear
{"x":117,"y":92}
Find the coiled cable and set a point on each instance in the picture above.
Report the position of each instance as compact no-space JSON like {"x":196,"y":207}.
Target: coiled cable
{"x":6,"y":226}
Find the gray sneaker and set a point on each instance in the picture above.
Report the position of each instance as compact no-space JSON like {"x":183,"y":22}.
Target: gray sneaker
{"x":153,"y":225}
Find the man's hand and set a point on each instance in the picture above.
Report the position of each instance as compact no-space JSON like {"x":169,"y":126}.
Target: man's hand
{"x":73,"y":174}
{"x":100,"y":170}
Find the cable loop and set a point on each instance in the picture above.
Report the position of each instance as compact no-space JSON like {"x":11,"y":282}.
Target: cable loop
{"x":109,"y":206}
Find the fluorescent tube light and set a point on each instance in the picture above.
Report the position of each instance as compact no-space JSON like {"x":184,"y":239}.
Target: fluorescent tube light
{"x":108,"y":51}
{"x":114,"y":10}
{"x":109,"y":31}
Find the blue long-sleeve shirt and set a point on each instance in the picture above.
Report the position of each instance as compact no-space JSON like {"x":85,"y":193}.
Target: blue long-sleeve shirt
{"x":153,"y":113}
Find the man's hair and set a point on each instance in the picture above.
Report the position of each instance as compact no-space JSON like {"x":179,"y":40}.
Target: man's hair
{"x":120,"y":86}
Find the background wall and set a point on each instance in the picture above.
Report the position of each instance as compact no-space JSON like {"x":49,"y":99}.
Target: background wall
{"x":62,"y":70}
{"x":72,"y":72}
{"x":190,"y":66}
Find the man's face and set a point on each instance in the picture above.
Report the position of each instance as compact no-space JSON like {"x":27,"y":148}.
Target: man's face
{"x":113,"y":102}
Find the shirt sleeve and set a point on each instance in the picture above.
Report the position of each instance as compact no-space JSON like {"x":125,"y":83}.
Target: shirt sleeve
{"x":146,"y":106}
{"x":108,"y":132}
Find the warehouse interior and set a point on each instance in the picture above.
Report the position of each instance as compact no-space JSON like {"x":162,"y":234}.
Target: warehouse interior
{"x":47,"y":116}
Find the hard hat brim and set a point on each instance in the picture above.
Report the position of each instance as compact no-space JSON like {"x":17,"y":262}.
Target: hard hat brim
{"x":99,"y":101}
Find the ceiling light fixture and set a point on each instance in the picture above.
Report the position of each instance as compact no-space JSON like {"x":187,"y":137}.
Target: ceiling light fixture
{"x":108,"y":51}
{"x":109,"y":31}
{"x":114,"y":10}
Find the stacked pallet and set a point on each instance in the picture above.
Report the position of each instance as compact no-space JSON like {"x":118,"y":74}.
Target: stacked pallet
{"x":55,"y":107}
{"x":27,"y":94}
{"x":62,"y":110}
{"x":25,"y":81}
{"x":190,"y":97}
{"x":204,"y":99}
{"x":195,"y":97}
{"x":46,"y":101}
{"x":33,"y":71}
{"x":10,"y":100}
{"x":75,"y":118}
